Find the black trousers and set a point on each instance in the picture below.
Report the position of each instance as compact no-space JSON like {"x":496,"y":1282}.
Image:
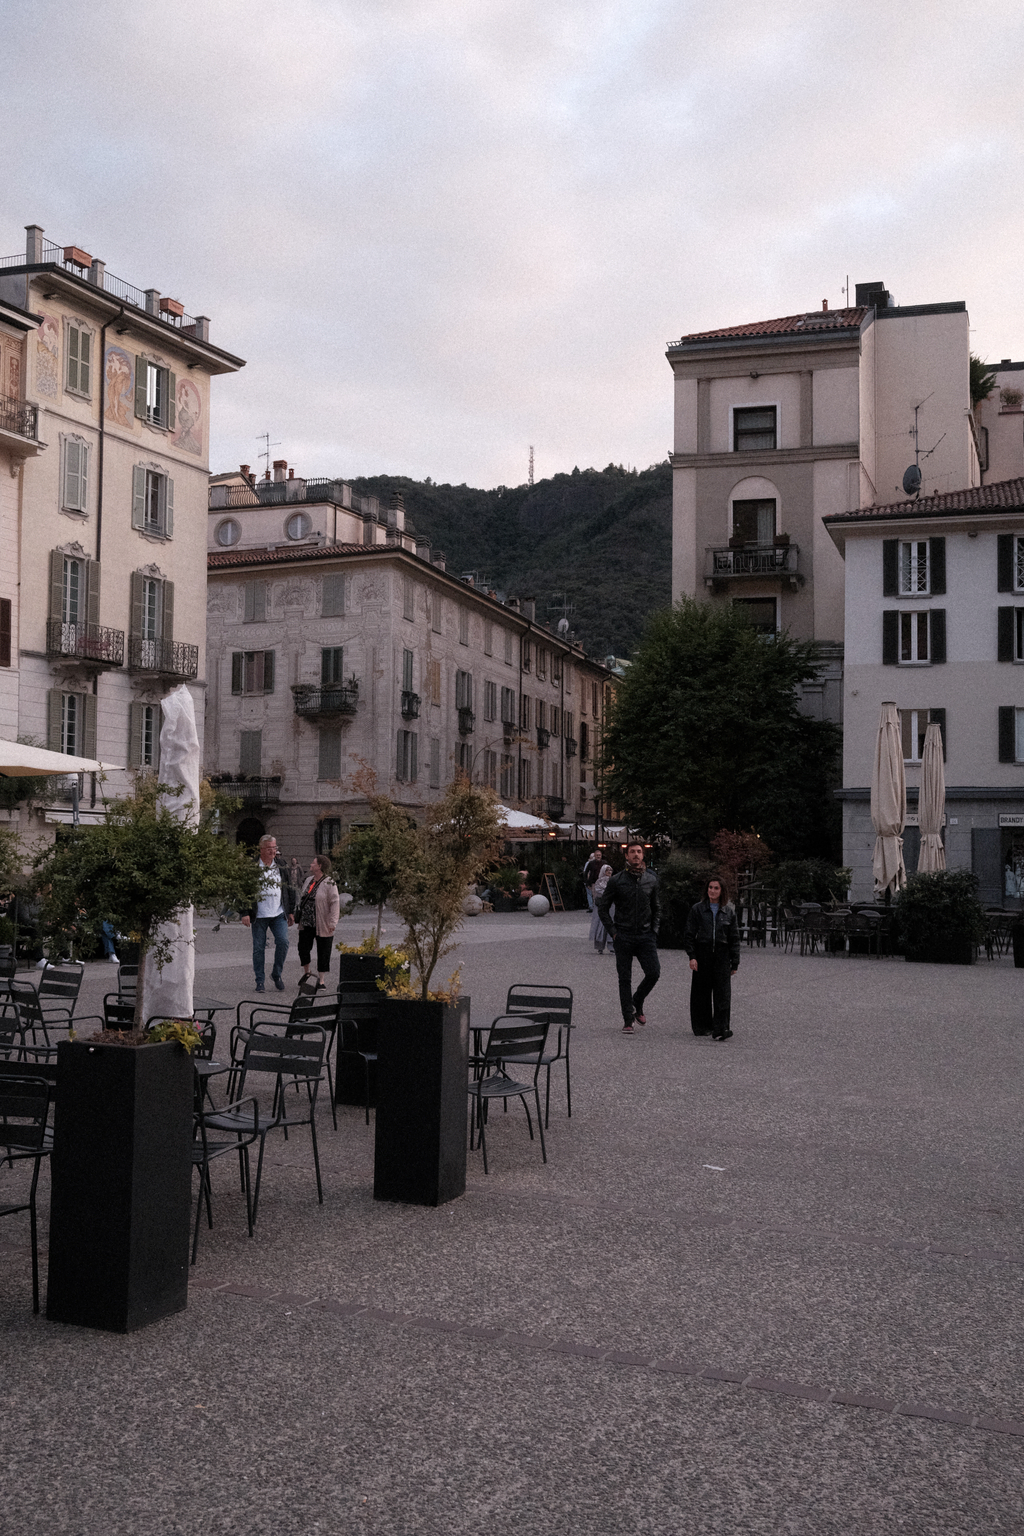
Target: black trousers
{"x":711,"y":991}
{"x":644,"y":947}
{"x":323,"y":949}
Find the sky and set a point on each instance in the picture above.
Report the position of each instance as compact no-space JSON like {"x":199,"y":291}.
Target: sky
{"x":442,"y":231}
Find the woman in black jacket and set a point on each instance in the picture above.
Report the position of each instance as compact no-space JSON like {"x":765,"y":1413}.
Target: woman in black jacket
{"x":712,"y":941}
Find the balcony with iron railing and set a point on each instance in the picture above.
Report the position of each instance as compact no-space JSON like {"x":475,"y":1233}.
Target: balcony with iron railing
{"x":251,"y":790}
{"x":85,"y":642}
{"x":467,"y":721}
{"x":326,"y":701}
{"x":741,"y":561}
{"x":19,"y":417}
{"x":543,"y":736}
{"x":570,"y":746}
{"x":163,"y":658}
{"x":410,"y":705}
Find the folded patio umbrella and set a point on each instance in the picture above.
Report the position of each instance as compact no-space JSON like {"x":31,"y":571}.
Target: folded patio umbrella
{"x":167,"y":991}
{"x":888,"y":802}
{"x":19,"y":760}
{"x":932,"y":802}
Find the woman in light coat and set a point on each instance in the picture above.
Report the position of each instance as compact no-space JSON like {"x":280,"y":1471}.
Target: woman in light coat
{"x":318,"y":910}
{"x":597,"y":928}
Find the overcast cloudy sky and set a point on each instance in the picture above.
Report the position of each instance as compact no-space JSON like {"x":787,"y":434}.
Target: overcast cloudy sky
{"x":442,"y":230}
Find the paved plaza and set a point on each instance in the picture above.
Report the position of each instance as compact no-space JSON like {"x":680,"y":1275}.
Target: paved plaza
{"x":774,"y":1285}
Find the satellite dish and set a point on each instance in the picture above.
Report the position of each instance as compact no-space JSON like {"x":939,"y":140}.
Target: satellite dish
{"x":912,"y":480}
{"x":563,"y":626}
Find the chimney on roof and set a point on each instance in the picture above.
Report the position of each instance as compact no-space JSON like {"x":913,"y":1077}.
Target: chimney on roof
{"x":874,"y":294}
{"x":291,"y":474}
{"x":280,"y":465}
{"x":33,"y":244}
{"x":824,"y":306}
{"x":244,"y":468}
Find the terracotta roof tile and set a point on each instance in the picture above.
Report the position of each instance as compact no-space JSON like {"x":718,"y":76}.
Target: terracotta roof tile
{"x":256,"y":555}
{"x":1001,"y":496}
{"x":789,"y":325}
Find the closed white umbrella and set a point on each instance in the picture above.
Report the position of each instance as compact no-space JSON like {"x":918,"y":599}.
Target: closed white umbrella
{"x":888,"y":802}
{"x":167,"y":990}
{"x":932,"y":803}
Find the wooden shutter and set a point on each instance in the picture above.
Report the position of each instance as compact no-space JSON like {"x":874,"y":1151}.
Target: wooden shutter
{"x":938,"y":717}
{"x":1005,"y":632}
{"x":400,"y":743}
{"x":1007,"y":734}
{"x":141,"y":376}
{"x":137,"y":591}
{"x":167,"y":612}
{"x":332,"y":598}
{"x":268,"y":671}
{"x":413,"y":756}
{"x":92,"y":591}
{"x":54,"y":707}
{"x":84,"y":369}
{"x":255,"y":602}
{"x":937,"y":625}
{"x":73,"y":489}
{"x":890,"y":567}
{"x":135,"y":735}
{"x":138,"y":496}
{"x":87,"y":705}
{"x":169,"y":509}
{"x":72,"y":377}
{"x":890,"y":637}
{"x":937,"y":567}
{"x":172,"y":384}
{"x":5,"y":631}
{"x":1004,"y":562}
{"x":56,"y":585}
{"x":250,"y":752}
{"x":329,"y":765}
{"x":237,"y":669}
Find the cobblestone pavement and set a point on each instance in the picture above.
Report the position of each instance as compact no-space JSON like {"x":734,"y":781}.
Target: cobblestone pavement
{"x":773,"y":1285}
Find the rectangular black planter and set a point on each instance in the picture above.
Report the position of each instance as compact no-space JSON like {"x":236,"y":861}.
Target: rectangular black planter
{"x":422,"y":1099}
{"x":362,"y":999}
{"x":956,"y":952}
{"x":121,"y":1180}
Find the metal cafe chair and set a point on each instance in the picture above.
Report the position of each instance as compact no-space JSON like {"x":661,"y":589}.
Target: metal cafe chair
{"x":24,"y":1106}
{"x":206,"y":1149}
{"x":59,"y":986}
{"x":511,"y":1040}
{"x":554,"y":1004}
{"x":313,"y":1007}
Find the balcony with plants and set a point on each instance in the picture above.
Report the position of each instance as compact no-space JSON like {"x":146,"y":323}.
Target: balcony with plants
{"x":326,"y":701}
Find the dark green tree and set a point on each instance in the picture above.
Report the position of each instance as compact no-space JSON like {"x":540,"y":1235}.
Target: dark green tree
{"x":373,"y":872}
{"x":983,"y":380}
{"x":705,"y":734}
{"x":140,"y":868}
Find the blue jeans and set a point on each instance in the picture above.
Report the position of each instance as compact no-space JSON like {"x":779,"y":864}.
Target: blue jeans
{"x":643,"y":947}
{"x":279,"y":928}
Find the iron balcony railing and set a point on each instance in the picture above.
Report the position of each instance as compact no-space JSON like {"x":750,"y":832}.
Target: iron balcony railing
{"x":555,"y":807}
{"x":752,"y":560}
{"x":570,"y":746}
{"x":333,"y":700}
{"x":167,"y":658}
{"x":251,"y":791}
{"x":410,"y":705}
{"x":20,"y":417}
{"x":543,"y":736}
{"x":85,"y":642}
{"x":467,"y":720}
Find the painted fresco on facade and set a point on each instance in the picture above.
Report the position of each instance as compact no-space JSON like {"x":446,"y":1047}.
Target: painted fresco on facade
{"x":48,"y":357}
{"x":119,"y":373}
{"x":189,"y":434}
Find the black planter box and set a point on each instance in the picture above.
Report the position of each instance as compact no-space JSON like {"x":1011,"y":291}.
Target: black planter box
{"x":955,"y":952}
{"x":121,"y":1180}
{"x":422,"y":1102}
{"x":1017,"y":936}
{"x":362,"y":999}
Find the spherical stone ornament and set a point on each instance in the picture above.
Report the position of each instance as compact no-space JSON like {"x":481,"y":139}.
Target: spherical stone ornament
{"x":539,"y":906}
{"x":344,"y":899}
{"x":472,"y":906}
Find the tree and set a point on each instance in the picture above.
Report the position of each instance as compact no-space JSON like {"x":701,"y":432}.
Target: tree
{"x":139,"y":868}
{"x":435,"y":861}
{"x":983,"y":380}
{"x":372,"y":870}
{"x":705,"y":734}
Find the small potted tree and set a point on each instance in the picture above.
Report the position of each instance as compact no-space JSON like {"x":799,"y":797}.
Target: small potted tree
{"x":420,"y":1145}
{"x":939,"y":917}
{"x":121,"y":1168}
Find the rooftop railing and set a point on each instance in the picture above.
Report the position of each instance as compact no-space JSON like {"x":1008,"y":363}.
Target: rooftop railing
{"x":160,"y":308}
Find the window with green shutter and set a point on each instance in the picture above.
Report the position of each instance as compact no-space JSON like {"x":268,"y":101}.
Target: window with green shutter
{"x":250,"y":753}
{"x":154,"y":394}
{"x":332,"y":600}
{"x":332,"y":665}
{"x":152,"y":502}
{"x":255,"y":602}
{"x":78,"y":354}
{"x":252,"y":672}
{"x":74,"y":488}
{"x":329,"y":764}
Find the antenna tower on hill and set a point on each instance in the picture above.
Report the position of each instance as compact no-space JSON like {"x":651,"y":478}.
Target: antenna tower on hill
{"x":531,"y":464}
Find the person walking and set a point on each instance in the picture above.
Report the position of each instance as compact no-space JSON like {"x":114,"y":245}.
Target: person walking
{"x":633,"y":896}
{"x":598,"y":932}
{"x":318,"y":912}
{"x":591,"y":871}
{"x":274,"y":909}
{"x":711,"y":938}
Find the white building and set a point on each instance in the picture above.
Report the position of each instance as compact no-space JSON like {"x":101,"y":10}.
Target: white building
{"x":935,"y":622}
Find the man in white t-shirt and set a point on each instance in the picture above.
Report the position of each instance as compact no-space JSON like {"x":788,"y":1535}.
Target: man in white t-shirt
{"x":274,"y":909}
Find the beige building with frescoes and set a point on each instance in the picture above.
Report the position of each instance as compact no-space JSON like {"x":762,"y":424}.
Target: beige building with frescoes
{"x":104,"y":428}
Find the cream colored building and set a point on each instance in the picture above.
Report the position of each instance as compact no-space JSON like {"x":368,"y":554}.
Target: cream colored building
{"x":339,"y":646}
{"x":781,"y":423}
{"x":935,"y":623}
{"x":105,"y":526}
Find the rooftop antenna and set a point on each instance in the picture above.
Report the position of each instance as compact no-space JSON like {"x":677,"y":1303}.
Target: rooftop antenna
{"x":912,"y":476}
{"x":531,"y":465}
{"x":846,"y":290}
{"x":264,"y":438}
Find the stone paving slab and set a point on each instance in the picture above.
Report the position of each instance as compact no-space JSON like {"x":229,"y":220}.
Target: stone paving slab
{"x":768,"y":1286}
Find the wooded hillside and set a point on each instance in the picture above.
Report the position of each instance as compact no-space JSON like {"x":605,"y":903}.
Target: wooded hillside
{"x":600,"y":540}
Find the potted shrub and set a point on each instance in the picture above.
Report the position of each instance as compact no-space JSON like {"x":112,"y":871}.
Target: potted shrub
{"x":360,"y":968}
{"x":939,"y":917}
{"x":423,"y":1042}
{"x":504,"y":885}
{"x":121,"y":1178}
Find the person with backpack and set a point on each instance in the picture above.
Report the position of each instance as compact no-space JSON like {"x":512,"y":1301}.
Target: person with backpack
{"x":318,"y":912}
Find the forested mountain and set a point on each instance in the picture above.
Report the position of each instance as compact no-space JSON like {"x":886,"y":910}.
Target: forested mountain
{"x":599,"y":540}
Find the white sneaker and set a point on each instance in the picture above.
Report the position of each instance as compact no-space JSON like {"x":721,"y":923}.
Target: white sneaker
{"x":113,"y":960}
{"x":41,"y":965}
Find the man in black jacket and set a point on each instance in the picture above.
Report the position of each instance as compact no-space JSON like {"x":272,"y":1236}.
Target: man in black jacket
{"x":633,"y":893}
